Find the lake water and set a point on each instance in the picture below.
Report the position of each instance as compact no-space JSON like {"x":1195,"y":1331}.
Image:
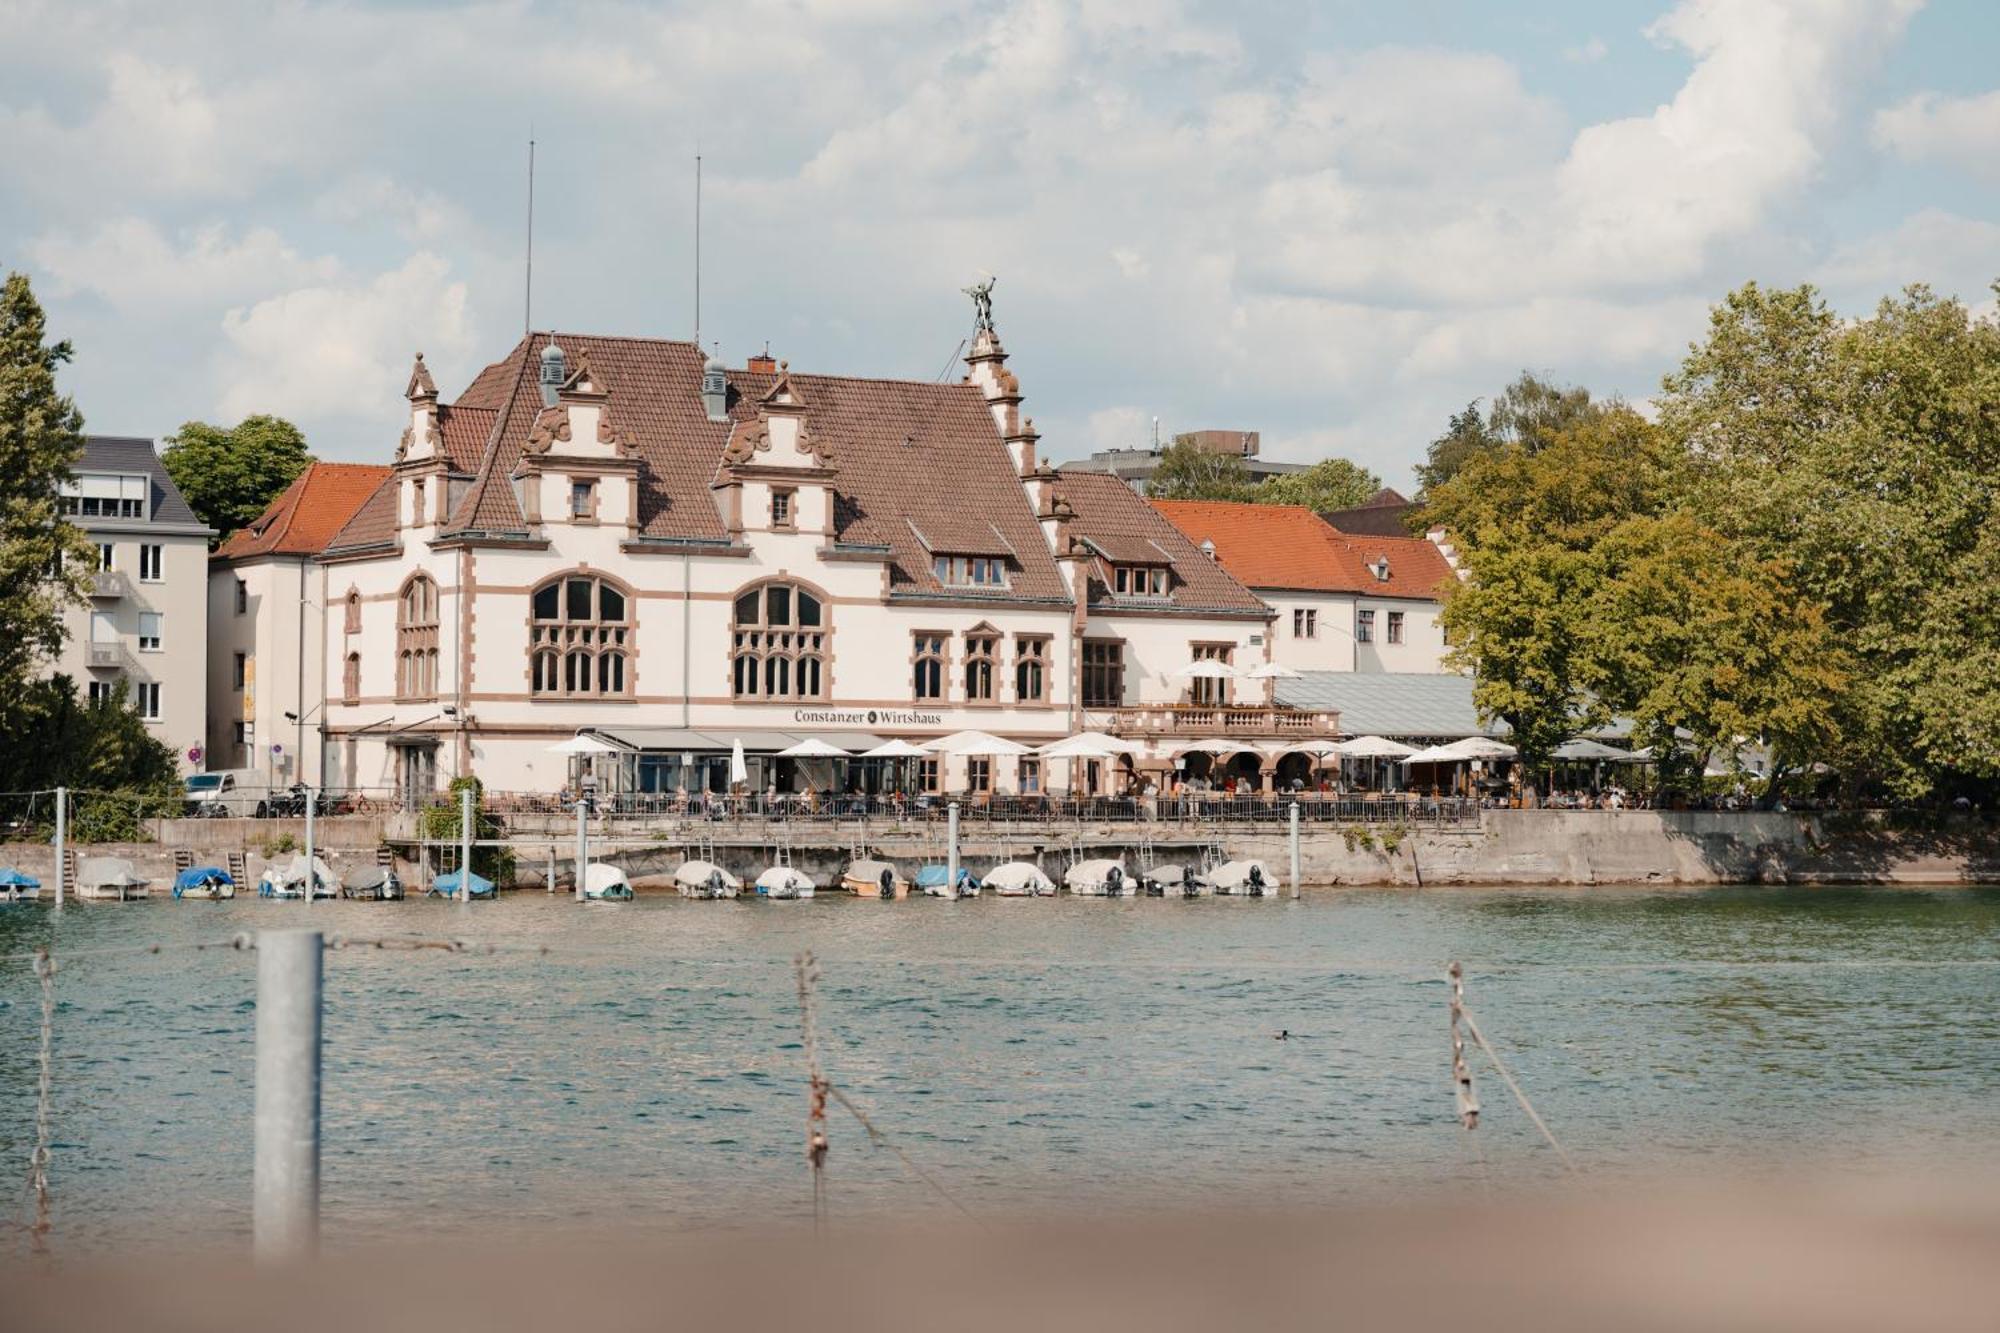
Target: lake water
{"x":1027,"y":1052}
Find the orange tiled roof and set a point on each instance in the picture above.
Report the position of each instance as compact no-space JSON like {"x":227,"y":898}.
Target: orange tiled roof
{"x":1290,"y":547}
{"x":303,"y":519}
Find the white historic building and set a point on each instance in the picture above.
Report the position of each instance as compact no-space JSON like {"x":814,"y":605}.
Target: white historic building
{"x":617,"y":535}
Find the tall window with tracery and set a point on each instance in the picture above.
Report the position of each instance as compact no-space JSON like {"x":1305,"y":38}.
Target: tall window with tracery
{"x":982,"y":653}
{"x":1031,"y":669}
{"x":580,"y":639}
{"x":779,"y":643}
{"x":927,"y":655}
{"x":417,"y":639}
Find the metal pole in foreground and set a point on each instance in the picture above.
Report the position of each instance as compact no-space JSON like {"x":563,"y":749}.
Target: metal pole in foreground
{"x":62,"y":839}
{"x":951,"y":859}
{"x":285,"y":1194}
{"x":465,"y":843}
{"x":1295,"y":849}
{"x":582,"y":845}
{"x":312,"y":876}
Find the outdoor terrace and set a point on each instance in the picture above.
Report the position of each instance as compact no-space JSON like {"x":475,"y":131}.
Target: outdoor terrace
{"x":1234,"y":721}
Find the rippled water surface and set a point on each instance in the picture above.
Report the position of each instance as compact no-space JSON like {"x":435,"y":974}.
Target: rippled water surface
{"x":647,"y":1065}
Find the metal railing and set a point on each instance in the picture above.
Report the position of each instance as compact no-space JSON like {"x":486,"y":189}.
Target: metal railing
{"x":1162,"y":720}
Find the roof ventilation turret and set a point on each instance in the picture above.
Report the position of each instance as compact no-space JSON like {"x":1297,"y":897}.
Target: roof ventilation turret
{"x":553,"y":373}
{"x":714,"y":389}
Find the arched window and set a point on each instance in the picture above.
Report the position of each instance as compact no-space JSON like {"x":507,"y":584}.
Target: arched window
{"x":350,"y":679}
{"x":353,"y":608}
{"x":580,"y":638}
{"x":417,"y":639}
{"x":927,"y":657}
{"x":982,"y":651}
{"x":778,"y":643}
{"x":1031,"y":669}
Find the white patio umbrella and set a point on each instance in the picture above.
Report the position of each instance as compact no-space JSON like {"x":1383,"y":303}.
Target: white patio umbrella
{"x":980,"y":743}
{"x":1373,"y":747}
{"x":895,"y":749}
{"x":1087,"y":745}
{"x":1317,"y":749}
{"x":582,"y":744}
{"x":1270,"y":671}
{"x":1206,"y":668}
{"x":739,"y":769}
{"x":1482,"y":747}
{"x":1438,"y":754}
{"x":1584,"y":748}
{"x":815,"y":748}
{"x":1215,"y":745}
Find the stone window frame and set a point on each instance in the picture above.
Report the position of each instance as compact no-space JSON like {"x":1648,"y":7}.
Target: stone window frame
{"x":351,"y":606}
{"x":566,"y":647}
{"x":1203,"y":692}
{"x":1116,"y":650}
{"x":417,"y":603}
{"x":979,"y":775}
{"x":785,"y":508}
{"x":937,"y":655}
{"x":1039,"y":659}
{"x":1028,"y":775}
{"x":350,"y":678}
{"x":776,"y":659}
{"x":980,"y":664}
{"x":591,"y":491}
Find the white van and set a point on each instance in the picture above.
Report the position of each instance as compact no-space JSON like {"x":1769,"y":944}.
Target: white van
{"x":227,"y":792}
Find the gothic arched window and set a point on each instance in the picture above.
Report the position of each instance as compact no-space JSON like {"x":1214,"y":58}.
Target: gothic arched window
{"x":778,"y":643}
{"x":417,"y":639}
{"x":580,"y":638}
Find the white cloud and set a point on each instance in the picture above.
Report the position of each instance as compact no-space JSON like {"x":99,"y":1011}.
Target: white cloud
{"x":1587,"y":53}
{"x":1962,"y":131}
{"x":341,"y":349}
{"x":1958,"y":256}
{"x":131,"y":264}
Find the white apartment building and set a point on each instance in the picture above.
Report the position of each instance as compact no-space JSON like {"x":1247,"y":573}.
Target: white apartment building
{"x":267,"y":655}
{"x":621,"y":536}
{"x":146,"y":624}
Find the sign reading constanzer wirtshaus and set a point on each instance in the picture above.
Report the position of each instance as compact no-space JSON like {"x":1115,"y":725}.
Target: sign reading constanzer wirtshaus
{"x":873,"y":717}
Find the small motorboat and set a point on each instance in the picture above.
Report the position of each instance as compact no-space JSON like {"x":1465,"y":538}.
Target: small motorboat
{"x":1020,"y":879}
{"x":287,"y":879}
{"x":108,"y":878}
{"x":446,"y":886}
{"x":784,"y":882}
{"x":1244,"y":879}
{"x":706,"y":879}
{"x":934,"y":880}
{"x":210,"y":882}
{"x":606,"y":883}
{"x":1172,"y":881}
{"x":1099,"y":878}
{"x":16,"y":887}
{"x":874,"y":879}
{"x":375,"y":884}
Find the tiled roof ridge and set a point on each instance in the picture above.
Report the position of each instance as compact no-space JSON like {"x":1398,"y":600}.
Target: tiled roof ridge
{"x":458,"y":520}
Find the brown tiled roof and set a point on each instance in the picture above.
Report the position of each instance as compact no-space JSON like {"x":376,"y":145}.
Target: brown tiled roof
{"x":1290,"y":547}
{"x":1121,"y":525}
{"x":306,"y":517}
{"x":908,"y":457}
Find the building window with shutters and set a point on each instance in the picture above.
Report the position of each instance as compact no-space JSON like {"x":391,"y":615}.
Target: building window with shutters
{"x":580,"y":639}
{"x":1103,"y":673}
{"x":982,"y":651}
{"x":778,"y":643}
{"x":150,"y":630}
{"x":417,"y":639}
{"x":927,"y":658}
{"x":1031,"y":669}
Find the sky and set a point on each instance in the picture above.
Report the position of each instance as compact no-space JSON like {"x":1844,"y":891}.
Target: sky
{"x":1334,"y":223}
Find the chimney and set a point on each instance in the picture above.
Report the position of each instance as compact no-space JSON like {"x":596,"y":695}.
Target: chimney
{"x":764,"y":363}
{"x":553,"y":373}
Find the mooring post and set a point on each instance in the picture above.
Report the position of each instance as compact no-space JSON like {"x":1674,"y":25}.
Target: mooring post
{"x":550,"y":883}
{"x":62,"y":840}
{"x":285,"y":1190}
{"x":465,"y":843}
{"x":312,"y":875}
{"x":951,"y":839}
{"x":1295,"y":849}
{"x":582,"y":844}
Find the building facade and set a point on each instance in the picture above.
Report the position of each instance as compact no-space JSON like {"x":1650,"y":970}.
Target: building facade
{"x":1135,"y":467}
{"x":1342,"y":601}
{"x":146,"y":625}
{"x":267,"y":655}
{"x":616,"y":535}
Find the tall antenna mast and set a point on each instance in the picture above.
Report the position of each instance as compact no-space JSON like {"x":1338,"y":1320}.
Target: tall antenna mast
{"x":697,"y":249}
{"x":528,"y":297}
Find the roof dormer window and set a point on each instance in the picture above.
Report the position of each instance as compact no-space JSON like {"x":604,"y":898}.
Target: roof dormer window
{"x":970,"y":571}
{"x":1380,"y":569}
{"x":1139,"y":580}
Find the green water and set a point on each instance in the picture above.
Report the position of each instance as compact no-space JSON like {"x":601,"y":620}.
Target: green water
{"x":1028,"y":1052}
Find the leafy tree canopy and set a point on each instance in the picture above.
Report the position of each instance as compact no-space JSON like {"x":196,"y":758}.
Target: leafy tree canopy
{"x":1531,"y":412}
{"x":1189,"y":472}
{"x":1331,"y":483}
{"x":41,"y":437}
{"x":229,"y":475}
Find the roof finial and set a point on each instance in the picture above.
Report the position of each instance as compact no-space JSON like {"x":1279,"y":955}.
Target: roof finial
{"x":982,"y":304}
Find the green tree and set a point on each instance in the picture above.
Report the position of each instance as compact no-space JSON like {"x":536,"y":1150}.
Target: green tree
{"x":45,"y":561}
{"x":1531,"y":412}
{"x":101,"y":750}
{"x":1331,"y":483}
{"x":230,"y":475}
{"x":1189,"y":472}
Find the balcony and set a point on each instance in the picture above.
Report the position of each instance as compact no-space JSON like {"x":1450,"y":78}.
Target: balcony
{"x":111,"y":583}
{"x":108,"y":657}
{"x":1233,"y":721}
